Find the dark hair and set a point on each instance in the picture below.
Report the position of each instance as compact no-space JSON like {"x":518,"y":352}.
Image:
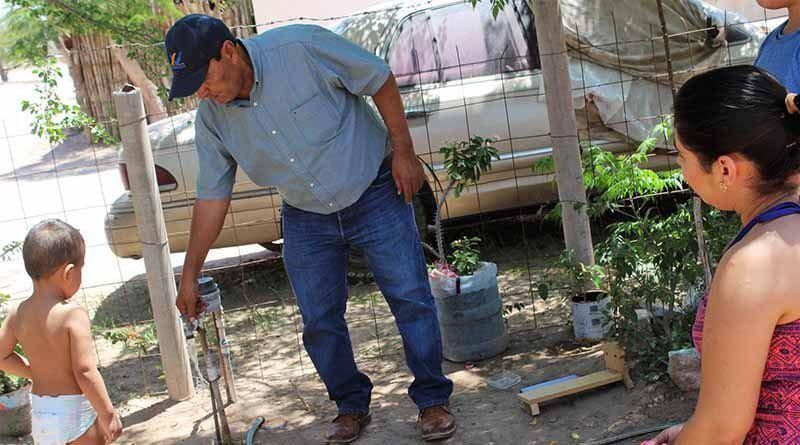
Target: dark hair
{"x":49,"y":245}
{"x":740,"y":109}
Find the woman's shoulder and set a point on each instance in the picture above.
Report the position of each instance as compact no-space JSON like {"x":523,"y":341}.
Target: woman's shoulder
{"x":765,"y":263}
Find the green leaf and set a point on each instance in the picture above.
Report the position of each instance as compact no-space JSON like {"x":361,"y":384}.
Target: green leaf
{"x":543,"y":290}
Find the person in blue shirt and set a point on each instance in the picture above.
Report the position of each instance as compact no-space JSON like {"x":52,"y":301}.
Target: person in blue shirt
{"x":288,"y":107}
{"x":780,"y":51}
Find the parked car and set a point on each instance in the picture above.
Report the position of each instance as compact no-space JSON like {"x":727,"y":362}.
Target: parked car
{"x":461,"y":72}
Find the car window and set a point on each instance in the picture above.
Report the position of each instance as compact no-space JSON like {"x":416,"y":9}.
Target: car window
{"x":471,"y":42}
{"x":412,"y":56}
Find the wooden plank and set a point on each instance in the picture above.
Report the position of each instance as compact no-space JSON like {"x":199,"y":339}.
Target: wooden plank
{"x":614,"y":357}
{"x":530,"y":408}
{"x":573,"y":386}
{"x":548,"y":383}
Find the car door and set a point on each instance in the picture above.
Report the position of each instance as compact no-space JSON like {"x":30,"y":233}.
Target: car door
{"x":464,"y":73}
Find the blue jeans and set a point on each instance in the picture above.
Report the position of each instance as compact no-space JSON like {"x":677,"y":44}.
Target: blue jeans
{"x":315,"y":253}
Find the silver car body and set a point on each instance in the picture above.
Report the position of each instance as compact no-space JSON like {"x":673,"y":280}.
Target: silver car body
{"x":502,"y":99}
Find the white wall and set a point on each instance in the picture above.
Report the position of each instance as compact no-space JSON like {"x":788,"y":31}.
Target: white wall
{"x":747,"y":8}
{"x":271,"y":10}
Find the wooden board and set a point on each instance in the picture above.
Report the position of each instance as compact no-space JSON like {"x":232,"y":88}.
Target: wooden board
{"x":568,"y":387}
{"x":614,"y":357}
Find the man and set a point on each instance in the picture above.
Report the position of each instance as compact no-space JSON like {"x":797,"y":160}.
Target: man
{"x":287,"y":106}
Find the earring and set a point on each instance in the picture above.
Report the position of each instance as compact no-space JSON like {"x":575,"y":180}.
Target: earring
{"x":723,"y":186}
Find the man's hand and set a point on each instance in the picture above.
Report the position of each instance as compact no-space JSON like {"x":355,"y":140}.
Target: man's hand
{"x":110,"y":427}
{"x":407,"y":172}
{"x":188,"y":302}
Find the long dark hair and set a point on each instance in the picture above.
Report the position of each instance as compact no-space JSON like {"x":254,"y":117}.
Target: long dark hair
{"x":741,"y":109}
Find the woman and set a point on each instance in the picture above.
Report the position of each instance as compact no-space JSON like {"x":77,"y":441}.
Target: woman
{"x":737,"y":132}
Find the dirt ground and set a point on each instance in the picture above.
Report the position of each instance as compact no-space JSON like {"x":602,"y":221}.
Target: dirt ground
{"x":275,"y":378}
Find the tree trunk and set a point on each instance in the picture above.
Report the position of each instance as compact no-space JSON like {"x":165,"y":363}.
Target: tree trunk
{"x":152,"y":103}
{"x":3,"y":72}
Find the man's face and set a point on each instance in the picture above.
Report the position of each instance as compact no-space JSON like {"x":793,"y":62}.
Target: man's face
{"x":223,"y":79}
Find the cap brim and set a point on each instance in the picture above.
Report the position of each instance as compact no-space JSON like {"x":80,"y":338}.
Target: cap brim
{"x":186,"y":83}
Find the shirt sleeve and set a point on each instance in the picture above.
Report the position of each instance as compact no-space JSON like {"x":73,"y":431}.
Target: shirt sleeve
{"x":216,"y":172}
{"x":347,"y":65}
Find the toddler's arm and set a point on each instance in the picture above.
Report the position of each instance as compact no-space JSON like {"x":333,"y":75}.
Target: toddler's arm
{"x":86,"y":374}
{"x":10,"y":361}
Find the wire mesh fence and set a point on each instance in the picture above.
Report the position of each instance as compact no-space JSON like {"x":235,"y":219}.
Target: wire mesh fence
{"x":461,"y":75}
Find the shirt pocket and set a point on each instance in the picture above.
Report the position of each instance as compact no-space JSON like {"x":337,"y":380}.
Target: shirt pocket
{"x":317,"y":119}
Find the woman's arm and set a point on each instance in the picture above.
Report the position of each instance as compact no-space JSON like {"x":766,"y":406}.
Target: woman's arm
{"x":743,"y":309}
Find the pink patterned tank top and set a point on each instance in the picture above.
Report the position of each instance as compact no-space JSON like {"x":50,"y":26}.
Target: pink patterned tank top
{"x":777,"y":420}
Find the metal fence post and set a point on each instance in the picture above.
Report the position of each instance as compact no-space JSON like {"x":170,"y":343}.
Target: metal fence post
{"x":153,"y":236}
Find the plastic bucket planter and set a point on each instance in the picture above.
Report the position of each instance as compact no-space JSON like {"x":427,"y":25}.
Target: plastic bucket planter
{"x":15,"y":412}
{"x":588,"y":320}
{"x":470,"y":314}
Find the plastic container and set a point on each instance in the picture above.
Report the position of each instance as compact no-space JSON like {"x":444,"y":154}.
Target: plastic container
{"x":588,"y":321}
{"x":470,"y":314}
{"x":209,"y":293}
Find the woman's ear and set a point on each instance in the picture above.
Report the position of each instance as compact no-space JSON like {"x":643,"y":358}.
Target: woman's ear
{"x":728,"y":169}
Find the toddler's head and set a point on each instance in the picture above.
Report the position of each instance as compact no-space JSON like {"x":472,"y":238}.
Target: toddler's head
{"x":53,"y":252}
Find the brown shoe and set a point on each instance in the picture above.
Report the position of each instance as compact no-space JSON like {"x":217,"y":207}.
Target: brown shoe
{"x":347,"y":427}
{"x":436,"y":423}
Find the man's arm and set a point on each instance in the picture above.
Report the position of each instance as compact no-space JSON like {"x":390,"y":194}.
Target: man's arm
{"x":10,"y":361}
{"x":406,"y":168}
{"x":208,"y":217}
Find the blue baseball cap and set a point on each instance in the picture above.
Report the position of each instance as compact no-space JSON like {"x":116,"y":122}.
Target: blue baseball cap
{"x":191,"y":43}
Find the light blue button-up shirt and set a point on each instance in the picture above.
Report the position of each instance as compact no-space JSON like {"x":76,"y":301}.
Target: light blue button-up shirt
{"x":305,"y":129}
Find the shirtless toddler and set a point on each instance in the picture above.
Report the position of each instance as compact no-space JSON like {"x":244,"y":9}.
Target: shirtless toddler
{"x":69,"y":401}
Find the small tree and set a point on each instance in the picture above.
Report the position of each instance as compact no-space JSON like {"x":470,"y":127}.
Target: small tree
{"x":51,"y":116}
{"x":465,"y":162}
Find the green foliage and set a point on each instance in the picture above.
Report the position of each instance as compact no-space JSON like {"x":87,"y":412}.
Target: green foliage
{"x":465,"y":161}
{"x":30,"y":26}
{"x":497,"y":5}
{"x":51,"y":116}
{"x":25,"y":36}
{"x":8,"y":382}
{"x":466,"y":255}
{"x":649,"y":253}
{"x":139,"y":339}
{"x":9,"y":250}
{"x":126,"y":21}
{"x":576,"y":276}
{"x":267,"y":318}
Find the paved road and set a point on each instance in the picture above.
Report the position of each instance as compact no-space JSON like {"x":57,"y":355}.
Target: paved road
{"x":73,"y":181}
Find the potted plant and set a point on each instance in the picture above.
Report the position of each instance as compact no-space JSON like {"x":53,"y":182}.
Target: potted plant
{"x":15,"y":408}
{"x":468,"y":302}
{"x":584,"y":290}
